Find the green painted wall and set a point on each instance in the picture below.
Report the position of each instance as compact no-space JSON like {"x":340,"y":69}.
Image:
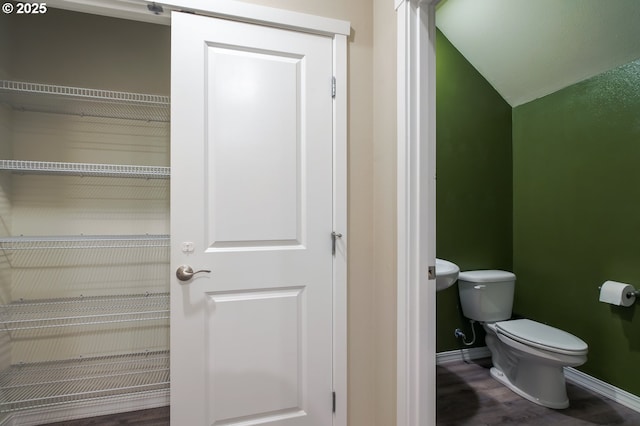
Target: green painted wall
{"x":474,"y":180}
{"x":550,"y":190}
{"x":576,"y":157}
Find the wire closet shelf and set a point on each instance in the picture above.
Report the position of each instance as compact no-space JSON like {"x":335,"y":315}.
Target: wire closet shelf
{"x":83,"y":311}
{"x":85,"y":169}
{"x":42,"y":384}
{"x":74,"y":242}
{"x":84,"y":102}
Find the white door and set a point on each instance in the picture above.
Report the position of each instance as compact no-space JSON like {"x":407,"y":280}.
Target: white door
{"x":251,"y":202}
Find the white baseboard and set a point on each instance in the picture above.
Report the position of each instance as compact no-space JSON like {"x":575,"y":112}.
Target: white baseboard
{"x":615,"y":394}
{"x":572,"y":375}
{"x":90,"y":408}
{"x":462,"y":355}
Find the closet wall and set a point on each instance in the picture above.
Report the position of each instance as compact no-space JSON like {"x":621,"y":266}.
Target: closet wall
{"x":5,"y":188}
{"x":84,"y":266}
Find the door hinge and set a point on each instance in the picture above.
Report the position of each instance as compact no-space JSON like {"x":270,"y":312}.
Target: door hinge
{"x":333,"y":87}
{"x":431,"y":273}
{"x":334,"y":237}
{"x":334,"y":402}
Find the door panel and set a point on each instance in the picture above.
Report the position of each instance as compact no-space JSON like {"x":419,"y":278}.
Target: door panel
{"x":271,"y":376}
{"x":253,"y":97}
{"x":252,"y":202}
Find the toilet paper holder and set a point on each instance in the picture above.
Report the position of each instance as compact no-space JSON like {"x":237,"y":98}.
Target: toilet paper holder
{"x":635,"y":293}
{"x":630,"y":294}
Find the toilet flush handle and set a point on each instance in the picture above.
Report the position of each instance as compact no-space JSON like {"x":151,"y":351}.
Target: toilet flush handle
{"x":479,"y":286}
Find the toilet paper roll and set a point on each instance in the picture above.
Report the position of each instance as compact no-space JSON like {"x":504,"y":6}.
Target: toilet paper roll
{"x":615,"y":293}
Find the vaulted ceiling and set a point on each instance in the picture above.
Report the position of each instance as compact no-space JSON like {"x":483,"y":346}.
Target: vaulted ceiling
{"x":527,"y":49}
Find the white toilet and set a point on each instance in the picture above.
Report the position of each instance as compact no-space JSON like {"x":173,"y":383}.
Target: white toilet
{"x":528,"y":357}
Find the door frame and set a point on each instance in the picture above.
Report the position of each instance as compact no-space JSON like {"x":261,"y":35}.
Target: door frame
{"x":416,"y":172}
{"x":339,"y":31}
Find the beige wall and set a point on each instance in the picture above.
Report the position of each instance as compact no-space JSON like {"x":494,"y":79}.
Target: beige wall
{"x":4,"y":45}
{"x":5,"y":197}
{"x":384,"y":208}
{"x":134,"y":58}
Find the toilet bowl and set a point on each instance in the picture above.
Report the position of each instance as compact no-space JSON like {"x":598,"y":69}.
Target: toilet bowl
{"x":528,"y":357}
{"x":532,"y":357}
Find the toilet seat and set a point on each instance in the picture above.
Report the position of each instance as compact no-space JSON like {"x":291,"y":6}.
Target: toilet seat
{"x":542,"y":336}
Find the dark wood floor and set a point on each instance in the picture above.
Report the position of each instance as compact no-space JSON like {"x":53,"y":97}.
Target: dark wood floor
{"x":467,"y":395}
{"x":151,"y":417}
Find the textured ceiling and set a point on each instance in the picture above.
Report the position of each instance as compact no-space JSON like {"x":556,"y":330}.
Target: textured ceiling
{"x":527,"y":49}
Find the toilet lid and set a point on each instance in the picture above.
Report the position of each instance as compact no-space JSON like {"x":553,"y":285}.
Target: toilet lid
{"x":542,"y":336}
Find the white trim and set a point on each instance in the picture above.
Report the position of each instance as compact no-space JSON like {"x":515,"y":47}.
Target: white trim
{"x":83,"y":409}
{"x":226,"y":9}
{"x":248,"y":12}
{"x":595,"y":385}
{"x":466,"y":354}
{"x":340,"y":202}
{"x":416,"y":213}
{"x":403,"y":319}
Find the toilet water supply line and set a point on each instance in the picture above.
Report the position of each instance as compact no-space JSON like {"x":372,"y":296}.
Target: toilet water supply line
{"x":458,"y":333}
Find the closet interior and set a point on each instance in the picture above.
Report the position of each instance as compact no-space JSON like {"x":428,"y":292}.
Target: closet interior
{"x":84,"y":209}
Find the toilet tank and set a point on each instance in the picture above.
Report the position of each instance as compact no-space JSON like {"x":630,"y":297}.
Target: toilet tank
{"x":486,"y":295}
